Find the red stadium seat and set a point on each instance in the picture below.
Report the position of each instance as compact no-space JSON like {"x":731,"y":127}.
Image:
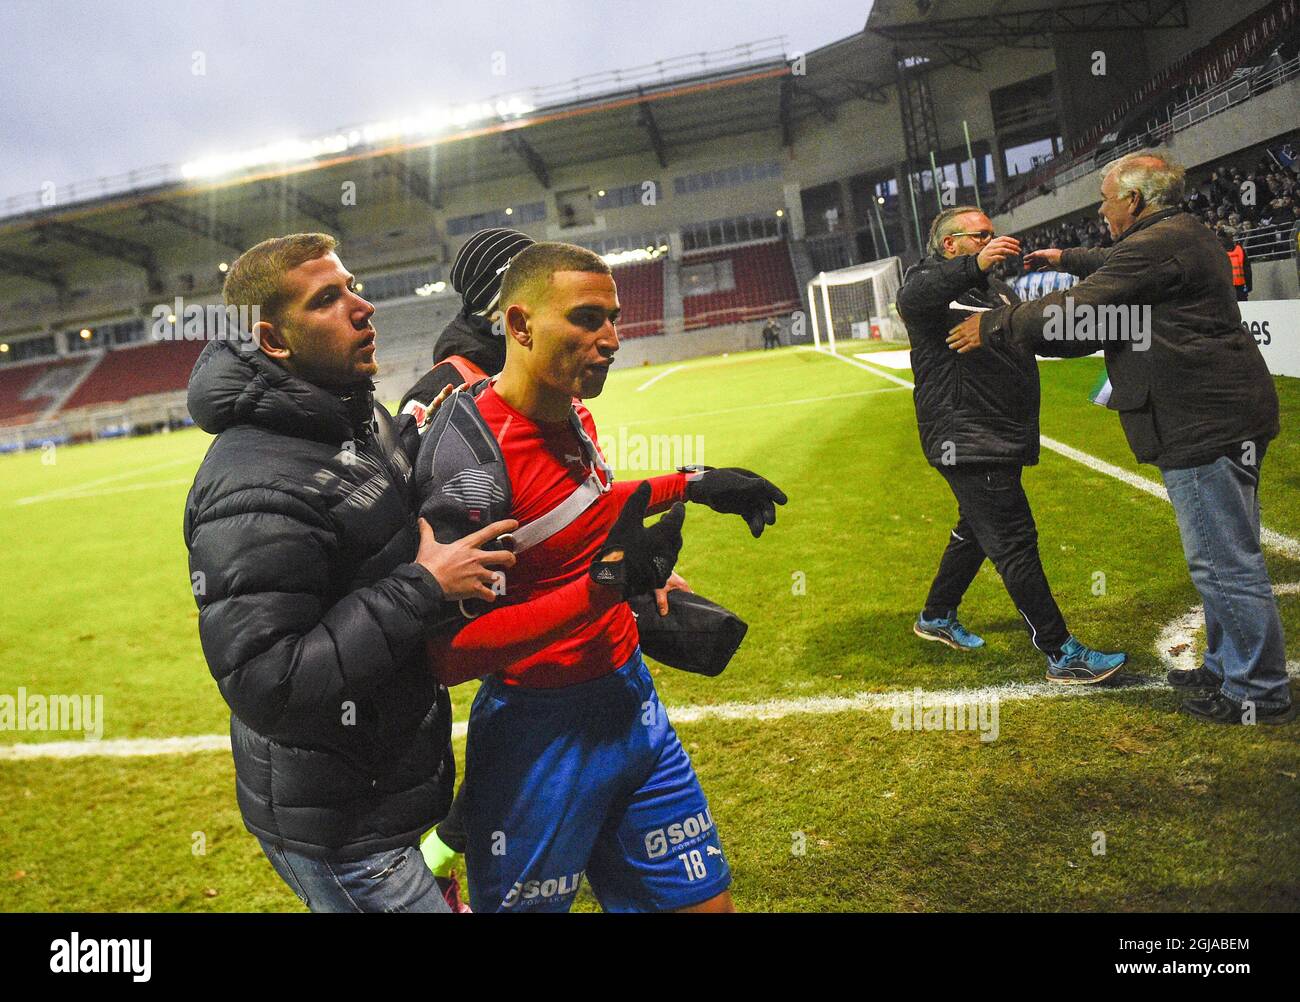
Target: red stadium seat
{"x":641,"y":296}
{"x":160,"y":367}
{"x":17,"y":380}
{"x":765,"y":284}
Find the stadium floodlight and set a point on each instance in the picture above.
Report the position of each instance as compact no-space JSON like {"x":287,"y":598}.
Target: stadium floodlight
{"x":636,"y":254}
{"x":857,"y":300}
{"x":430,"y":122}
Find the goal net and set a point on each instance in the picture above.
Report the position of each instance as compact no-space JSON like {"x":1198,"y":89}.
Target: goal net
{"x":856,"y":302}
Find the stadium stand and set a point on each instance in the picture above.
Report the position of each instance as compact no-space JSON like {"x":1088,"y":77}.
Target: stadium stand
{"x":1253,"y":56}
{"x":28,"y":391}
{"x":641,"y":297}
{"x":1257,"y":194}
{"x":744,"y":283}
{"x":159,"y":367}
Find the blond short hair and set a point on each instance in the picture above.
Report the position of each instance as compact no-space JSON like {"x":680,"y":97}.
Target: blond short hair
{"x":257,"y":276}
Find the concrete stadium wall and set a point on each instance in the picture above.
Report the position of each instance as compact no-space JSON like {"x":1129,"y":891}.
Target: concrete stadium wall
{"x":1256,"y":121}
{"x":640,"y":351}
{"x":1275,"y":280}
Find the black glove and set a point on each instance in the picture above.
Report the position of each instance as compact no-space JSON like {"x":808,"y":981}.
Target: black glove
{"x":734,"y":491}
{"x":636,"y":558}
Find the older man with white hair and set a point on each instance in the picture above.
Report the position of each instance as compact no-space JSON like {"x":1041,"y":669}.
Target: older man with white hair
{"x":1195,"y":399}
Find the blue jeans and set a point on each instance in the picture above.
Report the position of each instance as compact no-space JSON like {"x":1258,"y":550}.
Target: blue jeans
{"x":1217,"y":506}
{"x":395,"y":880}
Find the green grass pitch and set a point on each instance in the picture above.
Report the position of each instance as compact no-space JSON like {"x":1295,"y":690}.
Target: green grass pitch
{"x":819,"y":811}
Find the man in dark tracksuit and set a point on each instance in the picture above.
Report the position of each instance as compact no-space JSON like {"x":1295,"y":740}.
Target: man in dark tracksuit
{"x":1194,"y":397}
{"x":979,"y":429}
{"x":470,"y":347}
{"x":315,"y":585}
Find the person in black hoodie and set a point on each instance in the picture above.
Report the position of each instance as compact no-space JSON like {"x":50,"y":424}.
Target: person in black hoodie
{"x":978,"y":419}
{"x":469,"y":348}
{"x":315,"y":585}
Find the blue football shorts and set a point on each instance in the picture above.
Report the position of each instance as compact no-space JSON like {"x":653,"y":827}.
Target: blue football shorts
{"x":589,"y":779}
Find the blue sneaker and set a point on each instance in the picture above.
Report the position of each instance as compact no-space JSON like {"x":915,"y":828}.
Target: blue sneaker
{"x":1081,"y":665}
{"x":947,"y":631}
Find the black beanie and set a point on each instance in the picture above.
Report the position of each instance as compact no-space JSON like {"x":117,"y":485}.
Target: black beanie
{"x":481,"y":264}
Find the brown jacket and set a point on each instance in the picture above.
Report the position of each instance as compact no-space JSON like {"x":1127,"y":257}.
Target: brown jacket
{"x":1200,"y":387}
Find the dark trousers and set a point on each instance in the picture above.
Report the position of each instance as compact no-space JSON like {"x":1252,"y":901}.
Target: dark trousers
{"x":994,"y":521}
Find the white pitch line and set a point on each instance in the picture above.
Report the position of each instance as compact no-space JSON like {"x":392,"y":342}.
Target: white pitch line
{"x":1175,"y":644}
{"x":654,"y":379}
{"x":1270,"y":538}
{"x":114,"y":490}
{"x":76,"y":488}
{"x":773,"y":709}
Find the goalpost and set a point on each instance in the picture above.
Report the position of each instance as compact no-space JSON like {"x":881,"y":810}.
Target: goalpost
{"x":856,"y":302}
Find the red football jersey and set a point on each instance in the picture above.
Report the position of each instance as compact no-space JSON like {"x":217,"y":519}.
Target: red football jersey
{"x":554,"y":626}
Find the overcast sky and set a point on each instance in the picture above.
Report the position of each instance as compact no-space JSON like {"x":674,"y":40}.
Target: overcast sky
{"x":100,"y":87}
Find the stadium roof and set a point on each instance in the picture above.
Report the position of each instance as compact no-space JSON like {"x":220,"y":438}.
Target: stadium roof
{"x":163,"y":220}
{"x":1025,"y":23}
{"x":154,"y":223}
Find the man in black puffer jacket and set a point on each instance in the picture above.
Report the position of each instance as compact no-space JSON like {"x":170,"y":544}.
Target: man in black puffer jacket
{"x":978,"y":418}
{"x":315,"y":582}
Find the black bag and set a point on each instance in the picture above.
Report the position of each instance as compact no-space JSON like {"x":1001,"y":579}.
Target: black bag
{"x":697,"y":635}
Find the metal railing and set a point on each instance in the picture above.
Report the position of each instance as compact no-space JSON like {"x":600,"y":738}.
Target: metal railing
{"x":1270,"y":243}
{"x":1174,"y":119}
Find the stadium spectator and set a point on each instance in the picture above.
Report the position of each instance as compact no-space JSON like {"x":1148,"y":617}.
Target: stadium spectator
{"x":1240,"y":261}
{"x":571,"y":764}
{"x":1224,"y":199}
{"x":978,"y":420}
{"x":1195,"y":399}
{"x":315,"y":586}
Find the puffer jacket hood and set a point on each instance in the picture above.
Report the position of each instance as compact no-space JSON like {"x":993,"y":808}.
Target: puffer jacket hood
{"x":471,"y":337}
{"x":234,"y":383}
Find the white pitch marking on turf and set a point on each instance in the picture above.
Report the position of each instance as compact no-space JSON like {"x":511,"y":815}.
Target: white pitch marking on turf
{"x":1268,"y":537}
{"x":77,"y":488}
{"x":872,"y":370}
{"x":1180,"y":633}
{"x":117,"y":490}
{"x":772,"y":709}
{"x":654,"y":379}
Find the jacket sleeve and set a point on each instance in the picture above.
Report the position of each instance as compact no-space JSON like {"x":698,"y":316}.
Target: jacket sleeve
{"x":1083,"y":261}
{"x":930,"y":290}
{"x":284,"y":661}
{"x":1130,"y":277}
